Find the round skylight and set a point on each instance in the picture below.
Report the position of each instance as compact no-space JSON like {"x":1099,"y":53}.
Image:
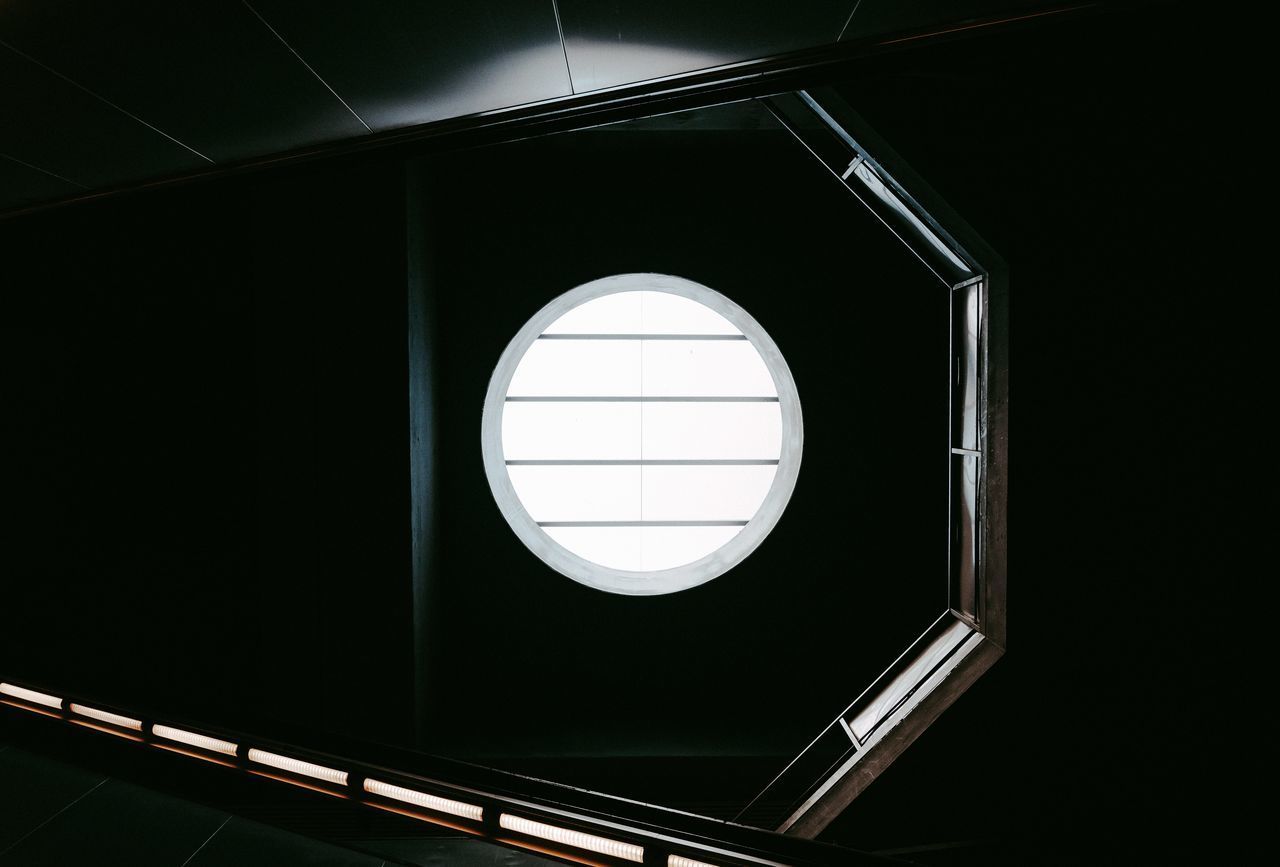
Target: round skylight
{"x":642,"y":434}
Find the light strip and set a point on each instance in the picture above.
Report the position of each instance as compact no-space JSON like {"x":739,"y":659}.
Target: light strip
{"x":297,"y":766}
{"x":577,"y":839}
{"x":105,"y":716}
{"x":31,"y":695}
{"x":203,"y":742}
{"x":421,"y":799}
{"x":681,"y":861}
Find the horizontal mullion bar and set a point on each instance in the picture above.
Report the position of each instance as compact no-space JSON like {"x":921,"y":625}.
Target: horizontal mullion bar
{"x":642,"y":523}
{"x":647,"y":462}
{"x":642,"y":337}
{"x":635,"y":399}
{"x":971,"y":452}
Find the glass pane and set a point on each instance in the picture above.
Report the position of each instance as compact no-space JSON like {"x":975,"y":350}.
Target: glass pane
{"x":571,"y":430}
{"x":712,"y":431}
{"x":700,"y":493}
{"x":567,"y":493}
{"x":705,"y":368}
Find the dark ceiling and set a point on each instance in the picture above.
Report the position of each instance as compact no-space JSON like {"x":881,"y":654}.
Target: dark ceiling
{"x":101,"y":95}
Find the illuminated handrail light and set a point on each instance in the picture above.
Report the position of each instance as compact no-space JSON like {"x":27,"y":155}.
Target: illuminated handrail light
{"x":681,"y":861}
{"x":422,"y":799}
{"x":577,"y":839}
{"x":297,"y":766}
{"x":114,"y":719}
{"x":204,"y":742}
{"x":31,"y":695}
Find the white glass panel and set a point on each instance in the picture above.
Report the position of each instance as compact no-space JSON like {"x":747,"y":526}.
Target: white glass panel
{"x":693,"y":493}
{"x":578,"y":493}
{"x":669,"y":547}
{"x":609,"y":368}
{"x":665,"y":313}
{"x":715,"y":431}
{"x":642,"y":549}
{"x":618,"y":313}
{"x":578,"y":431}
{"x":705,"y":368}
{"x":615,"y":547}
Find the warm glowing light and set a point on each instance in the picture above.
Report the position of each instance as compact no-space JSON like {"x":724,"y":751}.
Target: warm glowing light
{"x":421,"y":799}
{"x":105,"y":730}
{"x":421,"y":817}
{"x":681,"y":861}
{"x":577,"y":839}
{"x":297,"y":766}
{"x":203,"y":742}
{"x":192,"y":754}
{"x":28,"y":708}
{"x":31,"y":695}
{"x":105,"y":716}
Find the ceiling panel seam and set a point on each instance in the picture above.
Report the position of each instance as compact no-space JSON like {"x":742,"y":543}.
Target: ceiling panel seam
{"x":14,"y":159}
{"x":37,"y":828}
{"x":103,"y":100}
{"x":285,"y":43}
{"x":208,"y":839}
{"x":564,"y":49}
{"x":849,"y":20}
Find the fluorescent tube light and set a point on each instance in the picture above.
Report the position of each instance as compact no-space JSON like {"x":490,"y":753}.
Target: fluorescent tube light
{"x":115,"y":719}
{"x":203,"y":742}
{"x":421,"y":799}
{"x":31,"y":695}
{"x":577,"y":839}
{"x":297,"y":766}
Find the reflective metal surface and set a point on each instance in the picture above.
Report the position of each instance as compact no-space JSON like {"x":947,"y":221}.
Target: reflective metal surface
{"x":617,"y":43}
{"x":398,"y":63}
{"x":829,"y":139}
{"x":964,"y":532}
{"x":967,"y":639}
{"x":966,"y":309}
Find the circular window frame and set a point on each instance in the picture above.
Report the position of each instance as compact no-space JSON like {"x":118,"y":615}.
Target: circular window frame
{"x":661,"y":581}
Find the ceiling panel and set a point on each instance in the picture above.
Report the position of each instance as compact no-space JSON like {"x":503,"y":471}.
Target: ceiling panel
{"x":22,"y":184}
{"x":883,"y":17}
{"x":60,"y":128}
{"x":211,"y":75}
{"x":401,"y":63}
{"x":633,"y":40}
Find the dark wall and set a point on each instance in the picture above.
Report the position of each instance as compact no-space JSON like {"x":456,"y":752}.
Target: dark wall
{"x":1071,"y":149}
{"x":202,"y":513}
{"x":205,"y":421}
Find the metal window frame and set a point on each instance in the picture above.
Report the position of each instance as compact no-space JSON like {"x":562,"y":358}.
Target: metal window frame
{"x":969,"y":636}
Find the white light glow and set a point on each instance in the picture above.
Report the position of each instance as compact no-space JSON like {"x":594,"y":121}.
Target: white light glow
{"x":576,"y":839}
{"x":564,"y":493}
{"x":577,"y":431}
{"x":578,"y":368}
{"x":422,"y":799}
{"x":697,"y":368}
{"x":641,"y":434}
{"x":204,"y":742}
{"x":647,"y":346}
{"x":114,"y":719}
{"x":712,"y":431}
{"x":297,"y":766}
{"x":31,"y":695}
{"x":643,"y":312}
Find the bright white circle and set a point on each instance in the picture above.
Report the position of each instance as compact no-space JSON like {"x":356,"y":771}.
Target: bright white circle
{"x":642,"y":434}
